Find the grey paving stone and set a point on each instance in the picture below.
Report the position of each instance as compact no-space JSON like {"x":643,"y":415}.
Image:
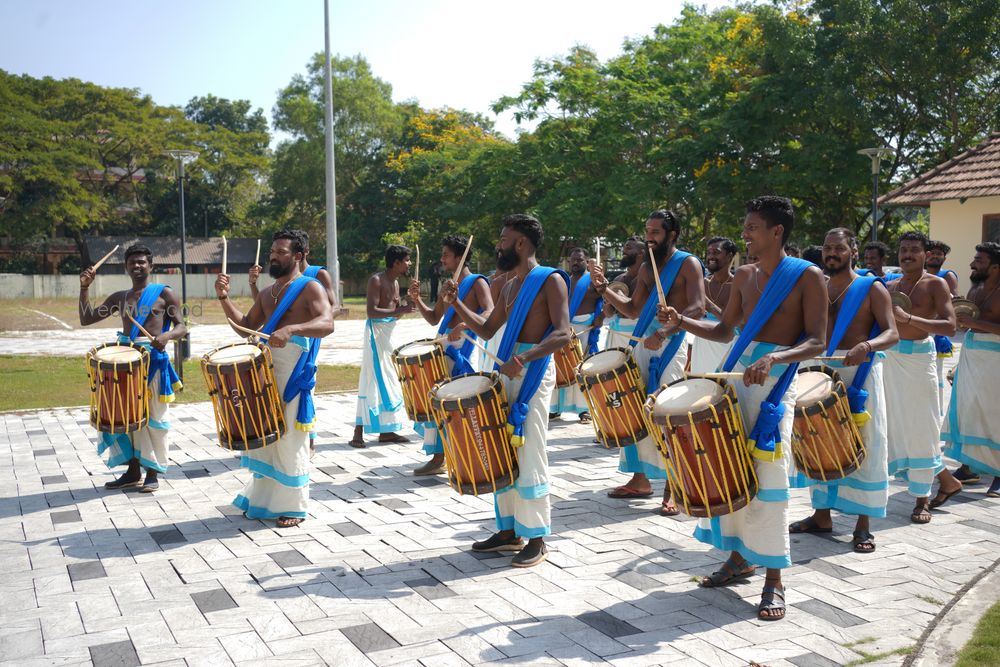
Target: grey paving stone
{"x":487,"y":555}
{"x":172,"y":536}
{"x":217,"y":599}
{"x":430,"y":588}
{"x":829,"y":613}
{"x":369,"y":637}
{"x":50,"y":451}
{"x":66,"y":516}
{"x":638,"y":581}
{"x":393,"y":503}
{"x":54,"y":479}
{"x":981,"y":525}
{"x":116,"y":654}
{"x":372,"y":454}
{"x":332,"y":471}
{"x":832,"y":569}
{"x":430,"y":481}
{"x":812,"y":660}
{"x":36,"y":432}
{"x":348,"y":529}
{"x":607,"y":624}
{"x":84,"y":571}
{"x":196,"y":473}
{"x":290,"y":558}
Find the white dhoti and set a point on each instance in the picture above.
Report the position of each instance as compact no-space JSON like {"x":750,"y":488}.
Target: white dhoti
{"x":866,"y":490}
{"x":707,"y":355}
{"x":644,"y":457}
{"x":911,"y":403}
{"x":380,"y":396}
{"x":279,"y":482}
{"x":571,"y":399}
{"x":618,"y":329}
{"x":972,"y":422}
{"x":433,"y":444}
{"x":759,"y":531}
{"x":525,"y":507}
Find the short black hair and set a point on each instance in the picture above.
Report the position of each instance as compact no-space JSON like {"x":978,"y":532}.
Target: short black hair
{"x":793,"y":249}
{"x":636,"y":238}
{"x":395,"y":253}
{"x":813,"y":254}
{"x":138,"y":249}
{"x":293,"y":235}
{"x":848,"y":234}
{"x":304,"y":235}
{"x":881,"y":248}
{"x":526,"y":225}
{"x":775,"y":211}
{"x":991,"y":249}
{"x":577,"y":249}
{"x":670,"y":221}
{"x":728,"y":246}
{"x":939,"y":245}
{"x":914,"y":236}
{"x":457,"y":244}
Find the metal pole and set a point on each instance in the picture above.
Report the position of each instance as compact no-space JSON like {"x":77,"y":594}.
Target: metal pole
{"x":182,"y":351}
{"x":875,"y":200}
{"x":332,"y":259}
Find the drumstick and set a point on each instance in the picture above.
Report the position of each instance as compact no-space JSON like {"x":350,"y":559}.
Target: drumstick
{"x":716,"y":376}
{"x":416,"y":271}
{"x":252,"y":332}
{"x":461,"y":263}
{"x":256,"y":259}
{"x":484,"y":350}
{"x":104,"y":259}
{"x":225,"y":253}
{"x":143,"y":331}
{"x":656,"y":275}
{"x":840,"y":358}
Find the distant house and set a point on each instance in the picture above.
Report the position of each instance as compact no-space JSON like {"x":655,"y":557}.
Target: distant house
{"x":204,"y":255}
{"x":963,"y":196}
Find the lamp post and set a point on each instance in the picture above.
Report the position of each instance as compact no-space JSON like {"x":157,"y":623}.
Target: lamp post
{"x":183,"y":350}
{"x":332,"y":259}
{"x":876,"y":155}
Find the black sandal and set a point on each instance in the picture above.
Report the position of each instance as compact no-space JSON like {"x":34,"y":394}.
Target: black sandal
{"x":863,"y":542}
{"x":771,"y":599}
{"x":727,"y":574}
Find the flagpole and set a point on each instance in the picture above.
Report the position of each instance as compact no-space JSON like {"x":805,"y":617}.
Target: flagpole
{"x":332,"y":260}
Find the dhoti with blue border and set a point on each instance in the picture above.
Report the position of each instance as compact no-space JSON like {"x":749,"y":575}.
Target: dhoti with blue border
{"x":380,"y":396}
{"x":707,"y":355}
{"x":619,"y":328}
{"x":571,"y":398}
{"x":972,"y":422}
{"x":866,"y":490}
{"x":913,"y":409}
{"x":759,"y":531}
{"x":279,"y":482}
{"x":525,"y":507}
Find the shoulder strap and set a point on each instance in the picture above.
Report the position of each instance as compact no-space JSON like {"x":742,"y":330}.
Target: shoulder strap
{"x":667,"y":277}
{"x":144,"y":307}
{"x":853,"y":299}
{"x":312,"y":271}
{"x":291,"y":294}
{"x":579,"y":292}
{"x":463,"y":291}
{"x":522,"y":305}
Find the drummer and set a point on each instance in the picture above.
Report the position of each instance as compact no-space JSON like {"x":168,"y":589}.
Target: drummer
{"x":474,"y":291}
{"x":874,"y":258}
{"x":782,"y":301}
{"x":972,"y":423}
{"x":497,"y":282}
{"x":661,"y":356}
{"x":294,"y":312}
{"x":633,"y":253}
{"x":860,"y":324}
{"x":586,"y":317}
{"x":536,"y":307}
{"x":157,"y":310}
{"x":937,"y":253}
{"x":706,"y":355}
{"x":912,"y":401}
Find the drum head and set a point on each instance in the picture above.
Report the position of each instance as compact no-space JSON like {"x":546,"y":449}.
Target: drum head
{"x":465,"y":387}
{"x":812,"y":387}
{"x":602,"y":362}
{"x":686,"y":396}
{"x":416,"y":349}
{"x":233,"y":354}
{"x":117,"y":354}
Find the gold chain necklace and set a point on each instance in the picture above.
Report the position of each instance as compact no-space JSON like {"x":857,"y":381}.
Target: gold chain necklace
{"x":900,"y":284}
{"x":275,"y":296}
{"x":506,"y":298}
{"x":834,"y":301}
{"x":713,"y":295}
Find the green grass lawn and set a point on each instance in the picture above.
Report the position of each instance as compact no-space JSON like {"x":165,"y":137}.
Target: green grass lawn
{"x":984,"y":647}
{"x":48,"y":382}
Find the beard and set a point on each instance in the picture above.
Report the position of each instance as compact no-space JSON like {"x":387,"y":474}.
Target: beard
{"x":834,"y":269}
{"x":979,"y":276}
{"x":660,"y":251}
{"x":627,"y":260}
{"x":933,"y":265}
{"x":279,"y":270}
{"x":507,"y":259}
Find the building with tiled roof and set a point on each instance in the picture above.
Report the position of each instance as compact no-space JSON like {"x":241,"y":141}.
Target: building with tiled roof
{"x":204,"y":255}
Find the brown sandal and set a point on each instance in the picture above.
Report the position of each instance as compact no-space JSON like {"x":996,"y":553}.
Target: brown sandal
{"x":288,"y":521}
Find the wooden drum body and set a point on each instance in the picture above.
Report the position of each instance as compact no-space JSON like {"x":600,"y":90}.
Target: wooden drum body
{"x":709,"y":467}
{"x":471,"y":413}
{"x":566,"y":360}
{"x":614,"y":390}
{"x":119,"y":388}
{"x":419,"y":365}
{"x":249,"y":413}
{"x":826,"y":443}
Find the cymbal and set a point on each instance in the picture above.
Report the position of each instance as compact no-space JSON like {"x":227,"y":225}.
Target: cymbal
{"x":619,"y":287}
{"x":902,"y":300}
{"x":965,"y":307}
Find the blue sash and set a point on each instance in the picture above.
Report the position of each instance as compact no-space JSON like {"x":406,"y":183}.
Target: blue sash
{"x":460,"y":355}
{"x":159,"y":360}
{"x":658,"y":363}
{"x":855,"y":296}
{"x":765,"y":438}
{"x":303,"y":378}
{"x":579,"y":293}
{"x":864,"y":272}
{"x":312,"y":271}
{"x":536,"y":369}
{"x":942,"y":344}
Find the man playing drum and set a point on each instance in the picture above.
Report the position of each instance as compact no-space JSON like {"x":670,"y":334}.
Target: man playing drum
{"x":972,"y":423}
{"x":620,"y":327}
{"x":536,"y":307}
{"x":380,"y":397}
{"x":782,"y":301}
{"x":706,"y":355}
{"x":293,"y":310}
{"x":661,"y":356}
{"x":474,"y":290}
{"x":937,"y":253}
{"x":586,"y":317}
{"x":910,"y":377}
{"x":157,"y":310}
{"x":860,"y":324}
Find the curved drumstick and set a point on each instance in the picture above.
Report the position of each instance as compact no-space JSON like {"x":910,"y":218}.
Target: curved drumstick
{"x":484,"y":350}
{"x":136,"y":323}
{"x":252,"y":332}
{"x":461,"y":263}
{"x":105,"y":258}
{"x":656,"y":275}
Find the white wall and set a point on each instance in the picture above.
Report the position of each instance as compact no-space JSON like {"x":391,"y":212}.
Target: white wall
{"x":200,"y":285}
{"x":961,"y":226}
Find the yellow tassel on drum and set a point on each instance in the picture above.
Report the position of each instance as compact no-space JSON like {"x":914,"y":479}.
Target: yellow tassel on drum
{"x":299,"y":426}
{"x":761,"y":455}
{"x":861,"y":418}
{"x":515,"y":440}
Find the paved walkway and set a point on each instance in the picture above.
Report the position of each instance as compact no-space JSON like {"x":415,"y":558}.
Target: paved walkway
{"x":381,"y":573}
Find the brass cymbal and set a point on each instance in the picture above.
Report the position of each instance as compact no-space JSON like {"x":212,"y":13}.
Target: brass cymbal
{"x":902,"y":300}
{"x":619,"y":287}
{"x":965,"y":307}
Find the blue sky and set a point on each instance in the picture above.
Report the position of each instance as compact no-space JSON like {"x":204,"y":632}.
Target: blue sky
{"x":439,"y":52}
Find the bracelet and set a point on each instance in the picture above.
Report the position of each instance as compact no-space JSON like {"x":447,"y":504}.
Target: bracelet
{"x":223,"y":298}
{"x":869,"y":346}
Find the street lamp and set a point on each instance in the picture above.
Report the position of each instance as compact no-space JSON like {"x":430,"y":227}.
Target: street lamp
{"x":183,"y":351}
{"x":876,"y":155}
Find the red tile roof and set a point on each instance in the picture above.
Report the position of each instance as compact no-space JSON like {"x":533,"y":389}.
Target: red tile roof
{"x":974,"y":173}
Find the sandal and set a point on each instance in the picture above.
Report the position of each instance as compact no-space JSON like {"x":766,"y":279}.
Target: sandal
{"x":629,"y":492}
{"x":357,"y":444}
{"x":727,"y":574}
{"x":288,"y":521}
{"x":942,"y":497}
{"x":863,"y":542}
{"x":771,"y":600}
{"x":994,"y":490}
{"x":808,"y":525}
{"x":920,"y":515}
{"x":667,"y":508}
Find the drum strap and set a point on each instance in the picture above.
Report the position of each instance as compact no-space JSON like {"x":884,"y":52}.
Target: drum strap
{"x":853,"y":300}
{"x":576,"y":299}
{"x":765,"y":437}
{"x":536,"y":369}
{"x":667,"y":277}
{"x":658,"y":364}
{"x":460,"y":355}
{"x":159,"y":360}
